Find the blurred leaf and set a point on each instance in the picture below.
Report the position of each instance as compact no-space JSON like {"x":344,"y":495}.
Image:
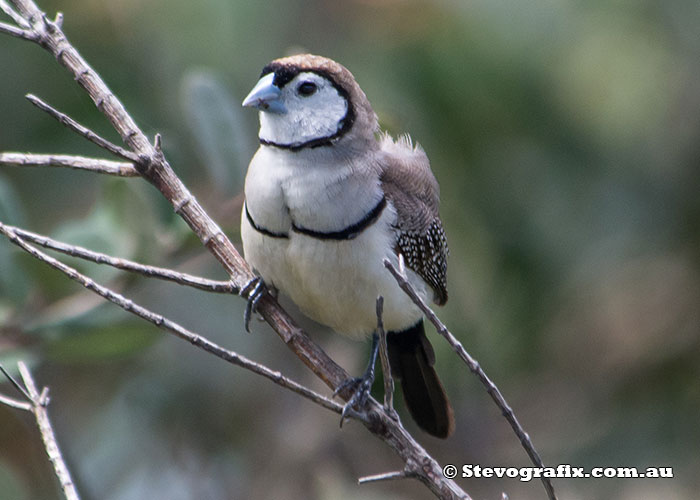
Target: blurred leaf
{"x":11,"y":485}
{"x":108,"y":342}
{"x":215,"y":121}
{"x":120,"y":224}
{"x":613,"y":81}
{"x":12,"y":282}
{"x":10,"y":207}
{"x":82,"y":310}
{"x":10,"y":357}
{"x":77,"y":314}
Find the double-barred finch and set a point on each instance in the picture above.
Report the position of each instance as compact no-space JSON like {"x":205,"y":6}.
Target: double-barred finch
{"x":327,"y":200}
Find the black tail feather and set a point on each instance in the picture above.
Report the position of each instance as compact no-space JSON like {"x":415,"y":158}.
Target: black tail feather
{"x":412,"y":358}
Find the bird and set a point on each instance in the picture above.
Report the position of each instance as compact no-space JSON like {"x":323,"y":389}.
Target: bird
{"x":328,"y":197}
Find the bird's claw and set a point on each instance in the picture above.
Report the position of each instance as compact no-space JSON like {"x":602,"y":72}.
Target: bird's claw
{"x":360,"y":388}
{"x":253,"y":291}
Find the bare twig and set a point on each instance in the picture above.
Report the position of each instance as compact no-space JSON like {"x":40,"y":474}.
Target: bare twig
{"x":126,"y":265}
{"x":386,"y":476}
{"x":76,"y":127}
{"x":384,"y":358}
{"x":19,"y":20}
{"x":37,"y":403}
{"x":477,"y":370}
{"x":15,"y":403}
{"x":169,"y":325}
{"x":15,"y":383}
{"x":117,"y":168}
{"x":17,"y":32}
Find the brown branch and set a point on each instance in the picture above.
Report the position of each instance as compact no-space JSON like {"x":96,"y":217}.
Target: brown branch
{"x":17,"y":32}
{"x":14,"y":403}
{"x":76,"y":127}
{"x":108,"y":167}
{"x":124,"y":264}
{"x":475,"y":368}
{"x":37,"y":403}
{"x":19,"y":20}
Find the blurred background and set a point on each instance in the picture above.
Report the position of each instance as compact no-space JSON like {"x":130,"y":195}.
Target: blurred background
{"x":565,"y":136}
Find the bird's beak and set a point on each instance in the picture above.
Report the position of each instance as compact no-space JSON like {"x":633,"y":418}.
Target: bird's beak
{"x":265,"y":96}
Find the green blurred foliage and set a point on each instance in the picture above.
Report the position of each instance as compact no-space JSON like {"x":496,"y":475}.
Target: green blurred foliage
{"x":564,"y":135}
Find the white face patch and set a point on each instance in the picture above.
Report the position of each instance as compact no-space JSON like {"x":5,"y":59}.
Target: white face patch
{"x":315,"y":110}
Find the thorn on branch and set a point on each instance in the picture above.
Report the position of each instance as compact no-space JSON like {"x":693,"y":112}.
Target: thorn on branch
{"x":51,"y":27}
{"x":44,"y":398}
{"x":59,"y":20}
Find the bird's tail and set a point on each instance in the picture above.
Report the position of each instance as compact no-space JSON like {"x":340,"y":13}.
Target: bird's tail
{"x":412,"y":358}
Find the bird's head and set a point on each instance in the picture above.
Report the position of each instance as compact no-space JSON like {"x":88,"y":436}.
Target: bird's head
{"x":308,"y":101}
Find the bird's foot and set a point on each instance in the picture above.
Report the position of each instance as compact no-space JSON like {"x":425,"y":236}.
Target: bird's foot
{"x":253,"y":291}
{"x":360,"y":388}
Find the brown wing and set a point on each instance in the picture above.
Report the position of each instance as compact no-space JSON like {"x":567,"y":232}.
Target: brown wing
{"x":410,"y":185}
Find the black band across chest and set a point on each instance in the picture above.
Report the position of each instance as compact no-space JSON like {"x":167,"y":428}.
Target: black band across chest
{"x":261,"y":229}
{"x":348,"y":233}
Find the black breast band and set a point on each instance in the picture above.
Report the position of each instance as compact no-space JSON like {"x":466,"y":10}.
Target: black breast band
{"x":261,"y":229}
{"x":348,"y":233}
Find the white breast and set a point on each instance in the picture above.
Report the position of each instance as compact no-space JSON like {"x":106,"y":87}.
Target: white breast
{"x":334,"y":282}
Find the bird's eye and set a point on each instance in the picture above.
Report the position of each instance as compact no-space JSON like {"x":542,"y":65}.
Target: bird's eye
{"x":306,"y":89}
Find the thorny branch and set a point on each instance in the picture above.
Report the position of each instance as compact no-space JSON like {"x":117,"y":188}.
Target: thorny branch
{"x":37,"y":403}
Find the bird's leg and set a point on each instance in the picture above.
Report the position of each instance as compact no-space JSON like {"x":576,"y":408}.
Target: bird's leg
{"x":253,"y":291}
{"x":360,"y":386}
